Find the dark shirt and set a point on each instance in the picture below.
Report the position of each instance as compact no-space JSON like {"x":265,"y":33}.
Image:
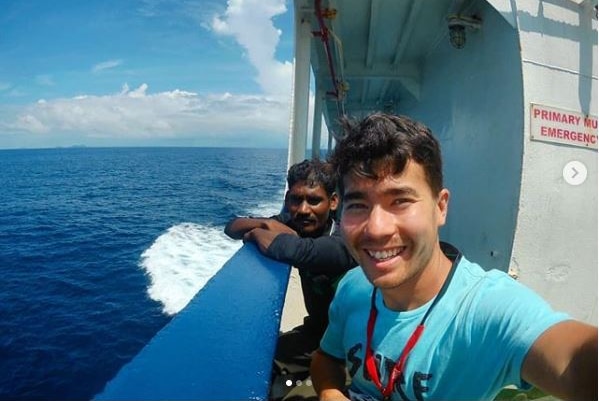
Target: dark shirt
{"x":321,"y":262}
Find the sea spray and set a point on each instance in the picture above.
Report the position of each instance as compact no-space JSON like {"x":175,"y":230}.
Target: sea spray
{"x":182,"y":260}
{"x":187,"y":255}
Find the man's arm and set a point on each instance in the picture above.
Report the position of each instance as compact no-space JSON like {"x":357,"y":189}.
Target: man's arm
{"x":322,"y":255}
{"x":328,"y":376}
{"x":263,"y":237}
{"x":563,"y":361}
{"x":239,"y":226}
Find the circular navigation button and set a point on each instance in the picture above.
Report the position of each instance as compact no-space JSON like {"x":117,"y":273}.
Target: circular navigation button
{"x":574,"y":172}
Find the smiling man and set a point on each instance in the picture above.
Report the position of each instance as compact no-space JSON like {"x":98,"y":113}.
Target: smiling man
{"x":305,"y":236}
{"x":418,"y":320}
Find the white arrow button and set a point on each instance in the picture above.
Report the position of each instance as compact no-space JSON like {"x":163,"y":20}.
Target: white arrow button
{"x":574,"y":172}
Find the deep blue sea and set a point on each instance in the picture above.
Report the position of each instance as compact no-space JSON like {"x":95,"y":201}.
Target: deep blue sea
{"x":100,"y":247}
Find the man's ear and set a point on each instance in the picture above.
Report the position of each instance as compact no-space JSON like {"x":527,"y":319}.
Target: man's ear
{"x":334,"y":201}
{"x":442,"y":206}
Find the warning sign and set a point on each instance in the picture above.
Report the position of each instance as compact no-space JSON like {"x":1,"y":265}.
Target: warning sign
{"x":549,"y":124}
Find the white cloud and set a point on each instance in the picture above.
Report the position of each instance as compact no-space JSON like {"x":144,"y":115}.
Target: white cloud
{"x":137,"y":114}
{"x":30,"y":123}
{"x":106,"y":65}
{"x":250,"y":23}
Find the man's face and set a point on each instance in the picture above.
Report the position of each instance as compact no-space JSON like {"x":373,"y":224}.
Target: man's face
{"x":391,"y":225}
{"x":309,"y":207}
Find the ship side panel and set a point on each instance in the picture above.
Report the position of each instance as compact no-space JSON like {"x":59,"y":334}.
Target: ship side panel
{"x":555,"y":246}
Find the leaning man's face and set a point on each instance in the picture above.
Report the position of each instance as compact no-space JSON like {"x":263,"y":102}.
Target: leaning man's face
{"x":391,"y":224}
{"x":309,"y":207}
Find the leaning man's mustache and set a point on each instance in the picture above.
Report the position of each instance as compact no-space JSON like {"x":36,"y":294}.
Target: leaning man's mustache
{"x":304,"y":219}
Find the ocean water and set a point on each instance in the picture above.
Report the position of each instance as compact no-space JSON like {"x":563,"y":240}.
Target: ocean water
{"x":100,"y":247}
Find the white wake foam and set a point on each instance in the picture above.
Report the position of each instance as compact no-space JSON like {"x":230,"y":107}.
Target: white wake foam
{"x":269,"y":208}
{"x":182,"y":260}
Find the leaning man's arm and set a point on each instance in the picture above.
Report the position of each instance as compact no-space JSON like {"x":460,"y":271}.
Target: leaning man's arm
{"x":237,"y":227}
{"x":328,"y":376}
{"x":322,"y":255}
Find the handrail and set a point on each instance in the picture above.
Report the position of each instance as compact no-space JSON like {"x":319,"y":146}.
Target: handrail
{"x":220,"y":346}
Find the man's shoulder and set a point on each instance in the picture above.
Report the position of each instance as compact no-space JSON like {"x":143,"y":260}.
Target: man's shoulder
{"x":474,"y":272}
{"x":353,"y":293}
{"x":356,"y":276}
{"x":488,"y":286}
{"x":471,"y":269}
{"x":494,"y":290}
{"x":472,"y":278}
{"x":354,"y":282}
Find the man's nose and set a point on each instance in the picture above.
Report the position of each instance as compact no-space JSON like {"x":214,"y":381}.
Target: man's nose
{"x":304,"y":207}
{"x":379,"y":223}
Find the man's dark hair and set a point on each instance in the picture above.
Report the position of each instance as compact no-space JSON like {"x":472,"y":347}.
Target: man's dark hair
{"x":387,"y":141}
{"x":315,"y":173}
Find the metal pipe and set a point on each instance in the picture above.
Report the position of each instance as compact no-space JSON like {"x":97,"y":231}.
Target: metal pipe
{"x":324,"y":37}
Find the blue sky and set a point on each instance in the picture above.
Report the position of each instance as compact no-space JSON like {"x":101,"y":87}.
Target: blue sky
{"x":145,"y":72}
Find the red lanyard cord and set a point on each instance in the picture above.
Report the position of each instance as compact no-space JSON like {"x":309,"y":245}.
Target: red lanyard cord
{"x":399,"y":365}
{"x":398,"y":368}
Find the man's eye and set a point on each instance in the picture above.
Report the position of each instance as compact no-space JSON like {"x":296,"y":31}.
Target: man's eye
{"x":314,"y":201}
{"x":294,"y":200}
{"x":403,"y":202}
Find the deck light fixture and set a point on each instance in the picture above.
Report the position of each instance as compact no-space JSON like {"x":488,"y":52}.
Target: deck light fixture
{"x":457,"y":29}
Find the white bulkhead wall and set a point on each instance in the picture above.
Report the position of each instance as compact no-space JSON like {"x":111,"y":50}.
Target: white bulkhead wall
{"x":555,"y":244}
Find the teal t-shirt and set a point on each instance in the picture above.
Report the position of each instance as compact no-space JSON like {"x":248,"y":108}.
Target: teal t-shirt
{"x":474,"y":342}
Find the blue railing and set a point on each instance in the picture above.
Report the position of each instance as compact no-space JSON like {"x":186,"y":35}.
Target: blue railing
{"x":221,"y":346}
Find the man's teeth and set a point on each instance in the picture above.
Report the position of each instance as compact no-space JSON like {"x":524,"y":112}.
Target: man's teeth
{"x":382,"y":255}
